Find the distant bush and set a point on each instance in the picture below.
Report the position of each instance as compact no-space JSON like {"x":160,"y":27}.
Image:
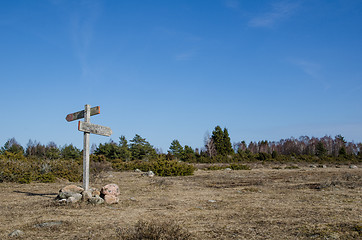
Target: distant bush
{"x":161,"y":167}
{"x":31,"y":169}
{"x":239,"y":167}
{"x":233,"y":166}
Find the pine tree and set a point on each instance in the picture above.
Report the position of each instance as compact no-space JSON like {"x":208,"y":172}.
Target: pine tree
{"x":228,"y":149}
{"x":125,"y":153}
{"x":141,"y":149}
{"x":218,"y":140}
{"x":176,"y":149}
{"x":221,"y":141}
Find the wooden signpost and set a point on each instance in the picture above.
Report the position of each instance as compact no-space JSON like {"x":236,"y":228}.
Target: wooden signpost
{"x":88,"y":128}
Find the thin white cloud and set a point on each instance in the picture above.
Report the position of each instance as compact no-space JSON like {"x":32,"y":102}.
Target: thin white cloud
{"x":234,"y":4}
{"x":184,"y":56}
{"x":311,"y":69}
{"x":82,"y":24}
{"x":279,"y":11}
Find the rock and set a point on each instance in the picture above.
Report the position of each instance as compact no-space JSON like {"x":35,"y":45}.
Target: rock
{"x":96,"y":193}
{"x":228,"y":169}
{"x":110,"y":189}
{"x":75,"y":197}
{"x":16,"y":233}
{"x":133,"y":199}
{"x":96,"y":200}
{"x":48,"y":224}
{"x":313,"y":166}
{"x":137,"y":170}
{"x":66,"y":195}
{"x":148,"y":174}
{"x":212,"y":201}
{"x":71,"y":200}
{"x":70,"y":191}
{"x":353,"y":167}
{"x":111,"y":199}
{"x":87,"y":194}
{"x":72,"y":188}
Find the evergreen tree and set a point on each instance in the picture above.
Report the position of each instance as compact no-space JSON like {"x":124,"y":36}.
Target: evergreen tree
{"x":125,"y":153}
{"x":141,"y":149}
{"x":176,"y":149}
{"x":320,"y":149}
{"x":228,"y":149}
{"x":70,"y":152}
{"x":12,"y":146}
{"x":218,"y":140}
{"x":221,"y":141}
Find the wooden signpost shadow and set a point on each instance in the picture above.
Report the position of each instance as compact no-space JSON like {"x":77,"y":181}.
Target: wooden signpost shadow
{"x":88,"y":128}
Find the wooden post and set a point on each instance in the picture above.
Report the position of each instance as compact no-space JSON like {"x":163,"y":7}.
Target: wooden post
{"x":86,"y":150}
{"x":88,"y":128}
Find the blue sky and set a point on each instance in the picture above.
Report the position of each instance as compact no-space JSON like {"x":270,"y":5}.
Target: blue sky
{"x":265,"y":70}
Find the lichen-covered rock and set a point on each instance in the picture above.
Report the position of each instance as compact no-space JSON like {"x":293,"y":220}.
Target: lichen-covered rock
{"x":72,"y":188}
{"x":149,"y":174}
{"x":74,"y":198}
{"x":87,"y":194}
{"x":110,"y":189}
{"x":16,"y":233}
{"x":96,"y":193}
{"x":96,"y":200}
{"x":111,"y":199}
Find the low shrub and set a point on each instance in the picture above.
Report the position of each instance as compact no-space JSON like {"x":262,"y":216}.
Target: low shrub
{"x":239,"y":167}
{"x":233,"y":166}
{"x":32,"y":169}
{"x":161,"y":167}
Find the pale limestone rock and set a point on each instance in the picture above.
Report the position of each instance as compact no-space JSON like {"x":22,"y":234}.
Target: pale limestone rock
{"x":86,"y":195}
{"x":16,"y":233}
{"x":72,"y":188}
{"x":96,"y":200}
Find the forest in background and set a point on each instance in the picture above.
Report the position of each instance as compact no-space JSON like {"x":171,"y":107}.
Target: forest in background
{"x":46,"y":163}
{"x":217,"y":149}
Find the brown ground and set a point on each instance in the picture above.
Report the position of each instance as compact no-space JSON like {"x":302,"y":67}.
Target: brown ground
{"x":264,"y":203}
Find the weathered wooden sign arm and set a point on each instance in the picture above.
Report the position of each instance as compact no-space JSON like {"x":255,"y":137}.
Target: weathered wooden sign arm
{"x":88,"y":128}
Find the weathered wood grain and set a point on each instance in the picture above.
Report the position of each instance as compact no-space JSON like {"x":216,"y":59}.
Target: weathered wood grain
{"x":78,"y":115}
{"x":94,"y":128}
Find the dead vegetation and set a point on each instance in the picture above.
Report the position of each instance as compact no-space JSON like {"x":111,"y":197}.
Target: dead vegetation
{"x":263,"y":203}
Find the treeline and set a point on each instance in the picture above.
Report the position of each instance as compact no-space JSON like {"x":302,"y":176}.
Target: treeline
{"x":217,"y":148}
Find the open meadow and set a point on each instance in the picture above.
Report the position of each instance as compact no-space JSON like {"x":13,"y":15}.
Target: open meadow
{"x":267,"y":202}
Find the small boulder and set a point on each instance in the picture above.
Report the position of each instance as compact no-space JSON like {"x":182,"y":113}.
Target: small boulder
{"x":111,"y":199}
{"x":110,"y":189}
{"x":149,"y":174}
{"x":87,"y":194}
{"x":72,"y":188}
{"x":353,"y":167}
{"x":137,"y":170}
{"x":48,"y":224}
{"x":74,"y":197}
{"x":16,"y":233}
{"x":96,"y":200}
{"x":96,"y":193}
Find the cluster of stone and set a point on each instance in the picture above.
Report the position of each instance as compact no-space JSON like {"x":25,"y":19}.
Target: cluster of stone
{"x":72,"y":193}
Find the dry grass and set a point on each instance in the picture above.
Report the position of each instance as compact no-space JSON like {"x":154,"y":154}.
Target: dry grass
{"x":263,"y":203}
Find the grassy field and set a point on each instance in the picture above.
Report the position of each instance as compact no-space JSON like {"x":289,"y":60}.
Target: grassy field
{"x":267,"y":202}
